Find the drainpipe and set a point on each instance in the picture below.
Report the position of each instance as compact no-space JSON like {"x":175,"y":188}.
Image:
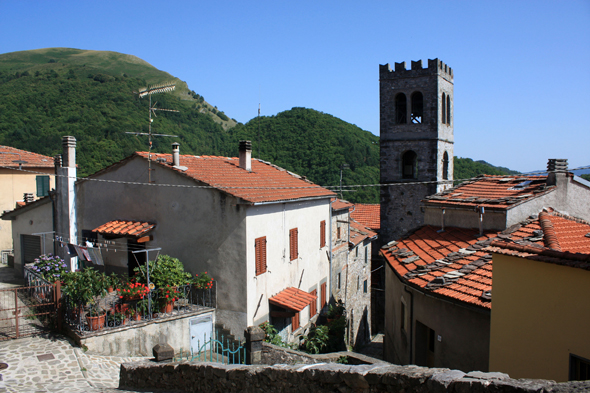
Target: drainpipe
{"x":481,"y":213}
{"x":330,"y":250}
{"x":411,"y":324}
{"x":66,"y":195}
{"x":442,"y":225}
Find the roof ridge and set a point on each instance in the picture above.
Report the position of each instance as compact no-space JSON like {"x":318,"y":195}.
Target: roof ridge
{"x":578,"y":256}
{"x":550,"y":236}
{"x":555,"y":213}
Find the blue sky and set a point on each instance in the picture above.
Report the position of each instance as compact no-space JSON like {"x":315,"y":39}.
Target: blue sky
{"x":522,"y":68}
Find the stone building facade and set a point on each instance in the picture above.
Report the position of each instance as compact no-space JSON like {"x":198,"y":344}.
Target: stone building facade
{"x":416,"y":124}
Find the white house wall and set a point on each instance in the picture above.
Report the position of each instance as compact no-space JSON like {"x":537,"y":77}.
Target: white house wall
{"x":36,"y":220}
{"x":306,"y":272}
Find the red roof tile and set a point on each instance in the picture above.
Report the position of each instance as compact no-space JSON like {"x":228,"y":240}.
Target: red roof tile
{"x":500,"y":192}
{"x":265,"y":183}
{"x":359,"y":233}
{"x":32,"y":159}
{"x":339,"y":204}
{"x":456,"y":264}
{"x":125,"y":228}
{"x":367,"y":214}
{"x":292,"y":299}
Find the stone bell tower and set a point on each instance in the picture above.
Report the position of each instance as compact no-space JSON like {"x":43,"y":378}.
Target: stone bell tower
{"x":416,"y":127}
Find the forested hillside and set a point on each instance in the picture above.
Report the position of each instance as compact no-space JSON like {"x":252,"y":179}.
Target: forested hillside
{"x":315,"y":144}
{"x":48,"y":93}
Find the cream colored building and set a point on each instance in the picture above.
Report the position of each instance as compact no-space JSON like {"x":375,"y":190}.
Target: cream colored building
{"x":541,"y":315}
{"x":32,"y":175}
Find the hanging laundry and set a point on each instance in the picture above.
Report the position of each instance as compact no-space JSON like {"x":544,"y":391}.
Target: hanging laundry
{"x":96,"y":256}
{"x":71,"y":249}
{"x":86,"y":254}
{"x":80,"y":253}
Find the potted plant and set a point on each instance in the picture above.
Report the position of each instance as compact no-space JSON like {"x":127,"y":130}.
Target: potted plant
{"x":135,"y":314}
{"x":164,"y":271}
{"x":133,"y":291}
{"x":203,"y":281}
{"x":86,"y":288}
{"x":96,"y":317}
{"x":335,"y":311}
{"x":167,"y":297}
{"x":113,"y":282}
{"x":51,"y":267}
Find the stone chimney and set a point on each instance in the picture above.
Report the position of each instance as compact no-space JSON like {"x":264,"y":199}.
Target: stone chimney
{"x":557,"y":169}
{"x":246,"y":155}
{"x":29,"y":197}
{"x":176,"y":154}
{"x":65,"y":203}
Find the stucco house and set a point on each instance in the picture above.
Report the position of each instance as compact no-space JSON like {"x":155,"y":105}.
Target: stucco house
{"x":351,"y":271}
{"x":24,"y":177}
{"x":439,"y":277}
{"x":256,"y":228}
{"x":541,"y":314}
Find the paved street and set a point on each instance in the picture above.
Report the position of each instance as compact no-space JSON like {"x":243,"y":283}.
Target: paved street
{"x":51,"y":363}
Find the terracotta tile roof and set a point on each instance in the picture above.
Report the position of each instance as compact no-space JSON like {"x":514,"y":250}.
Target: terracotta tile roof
{"x":292,"y":299}
{"x":359,"y":232}
{"x":456,"y":264}
{"x":32,"y":159}
{"x":566,"y":241}
{"x":265,"y":183}
{"x":339,"y":204}
{"x":500,"y":192}
{"x":367,"y":214}
{"x":125,"y":228}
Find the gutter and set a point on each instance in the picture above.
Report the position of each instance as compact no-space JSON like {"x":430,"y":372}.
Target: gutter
{"x":288,"y":200}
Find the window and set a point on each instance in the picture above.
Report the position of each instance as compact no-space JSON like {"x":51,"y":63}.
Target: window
{"x":409,"y":161}
{"x":579,"y":368}
{"x":417,"y":108}
{"x":42,"y":186}
{"x":260,"y":252}
{"x":444,"y":108}
{"x":449,"y":110}
{"x":295,"y":322}
{"x":293,"y":244}
{"x":338,"y":233}
{"x":313,"y":306}
{"x":366,"y":255}
{"x":365,"y":286}
{"x":338,"y":280}
{"x":323,"y":295}
{"x":400,"y":109}
{"x":356,"y":252}
{"x":445,"y":167}
{"x":358,"y":283}
{"x":322,"y":234}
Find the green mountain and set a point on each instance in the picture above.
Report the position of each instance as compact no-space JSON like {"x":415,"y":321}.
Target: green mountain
{"x":48,"y":93}
{"x":466,"y":168}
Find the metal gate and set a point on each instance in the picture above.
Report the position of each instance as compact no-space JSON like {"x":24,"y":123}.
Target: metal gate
{"x":27,"y":311}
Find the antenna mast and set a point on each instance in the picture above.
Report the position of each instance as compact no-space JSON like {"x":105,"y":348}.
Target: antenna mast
{"x":148,"y":91}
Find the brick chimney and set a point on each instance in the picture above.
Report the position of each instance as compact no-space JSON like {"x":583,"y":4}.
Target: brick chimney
{"x":246,"y":155}
{"x":557,"y":169}
{"x":176,"y":154}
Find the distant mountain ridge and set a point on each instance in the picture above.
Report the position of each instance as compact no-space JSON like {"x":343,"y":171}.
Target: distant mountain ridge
{"x":48,"y":93}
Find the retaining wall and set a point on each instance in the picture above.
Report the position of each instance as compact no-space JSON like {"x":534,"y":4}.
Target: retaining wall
{"x":325,"y":377}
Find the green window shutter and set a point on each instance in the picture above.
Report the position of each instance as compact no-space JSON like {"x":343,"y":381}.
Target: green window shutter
{"x":42,"y":186}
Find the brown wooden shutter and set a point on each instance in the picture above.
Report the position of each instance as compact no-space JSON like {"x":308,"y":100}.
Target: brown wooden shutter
{"x":260,"y":252}
{"x":323,"y":295}
{"x":313,"y":306}
{"x":293,"y":251}
{"x":322,"y":234}
{"x":295,"y":322}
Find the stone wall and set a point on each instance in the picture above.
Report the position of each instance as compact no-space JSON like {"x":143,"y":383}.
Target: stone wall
{"x":273,"y":354}
{"x":322,"y":377}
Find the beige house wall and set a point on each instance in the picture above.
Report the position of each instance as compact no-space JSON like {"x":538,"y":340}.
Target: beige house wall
{"x":541,"y":315}
{"x":13,"y":185}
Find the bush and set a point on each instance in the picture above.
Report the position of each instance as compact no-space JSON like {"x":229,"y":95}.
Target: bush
{"x":317,"y":339}
{"x":272,"y":336}
{"x":51,"y":267}
{"x":164,"y":271}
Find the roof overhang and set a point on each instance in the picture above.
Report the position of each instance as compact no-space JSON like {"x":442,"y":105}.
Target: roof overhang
{"x":125,"y":228}
{"x":292,"y":299}
{"x":13,"y":214}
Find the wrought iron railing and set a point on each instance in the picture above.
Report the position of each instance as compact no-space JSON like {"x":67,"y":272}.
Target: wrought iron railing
{"x":215,"y":348}
{"x":113,"y":311}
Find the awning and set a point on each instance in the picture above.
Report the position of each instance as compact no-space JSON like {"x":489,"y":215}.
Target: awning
{"x":122,"y":228}
{"x":292,"y":299}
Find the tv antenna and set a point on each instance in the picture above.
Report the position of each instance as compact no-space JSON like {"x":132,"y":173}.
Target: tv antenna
{"x":148,"y":91}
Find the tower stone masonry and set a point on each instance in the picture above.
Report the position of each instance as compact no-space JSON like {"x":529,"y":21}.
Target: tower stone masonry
{"x":416,"y":137}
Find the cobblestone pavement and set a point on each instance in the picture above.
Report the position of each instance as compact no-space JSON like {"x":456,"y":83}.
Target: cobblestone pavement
{"x":374,"y":348}
{"x":50,"y":363}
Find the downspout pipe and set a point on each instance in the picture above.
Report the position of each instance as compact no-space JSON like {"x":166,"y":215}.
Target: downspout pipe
{"x":330,"y":251}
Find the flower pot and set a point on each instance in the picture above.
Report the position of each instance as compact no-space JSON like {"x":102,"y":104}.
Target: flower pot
{"x":167,"y":308}
{"x":136,"y":317}
{"x":110,"y":289}
{"x":95,"y":323}
{"x":122,"y":308}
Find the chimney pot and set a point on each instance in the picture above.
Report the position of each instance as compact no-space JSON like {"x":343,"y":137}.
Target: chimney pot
{"x":69,"y":151}
{"x":176,"y":154}
{"x":246,"y":155}
{"x":29,"y":197}
{"x":557,"y":169}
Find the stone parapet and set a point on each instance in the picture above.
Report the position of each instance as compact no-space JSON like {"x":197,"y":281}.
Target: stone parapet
{"x":325,"y":377}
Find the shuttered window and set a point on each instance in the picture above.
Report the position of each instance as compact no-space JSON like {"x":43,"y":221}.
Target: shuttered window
{"x":323,"y":295}
{"x":260,"y":251}
{"x":42,"y":186}
{"x":322,"y":234}
{"x":313,"y":306}
{"x":293,"y":244}
{"x":295,"y":322}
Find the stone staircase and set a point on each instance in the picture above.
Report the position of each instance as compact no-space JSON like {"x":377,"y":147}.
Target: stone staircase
{"x":228,"y":337}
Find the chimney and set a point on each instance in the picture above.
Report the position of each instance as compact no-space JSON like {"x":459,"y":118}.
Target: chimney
{"x":557,"y":169}
{"x":246,"y":155}
{"x":65,"y":203}
{"x":29,"y":197}
{"x":176,"y":154}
